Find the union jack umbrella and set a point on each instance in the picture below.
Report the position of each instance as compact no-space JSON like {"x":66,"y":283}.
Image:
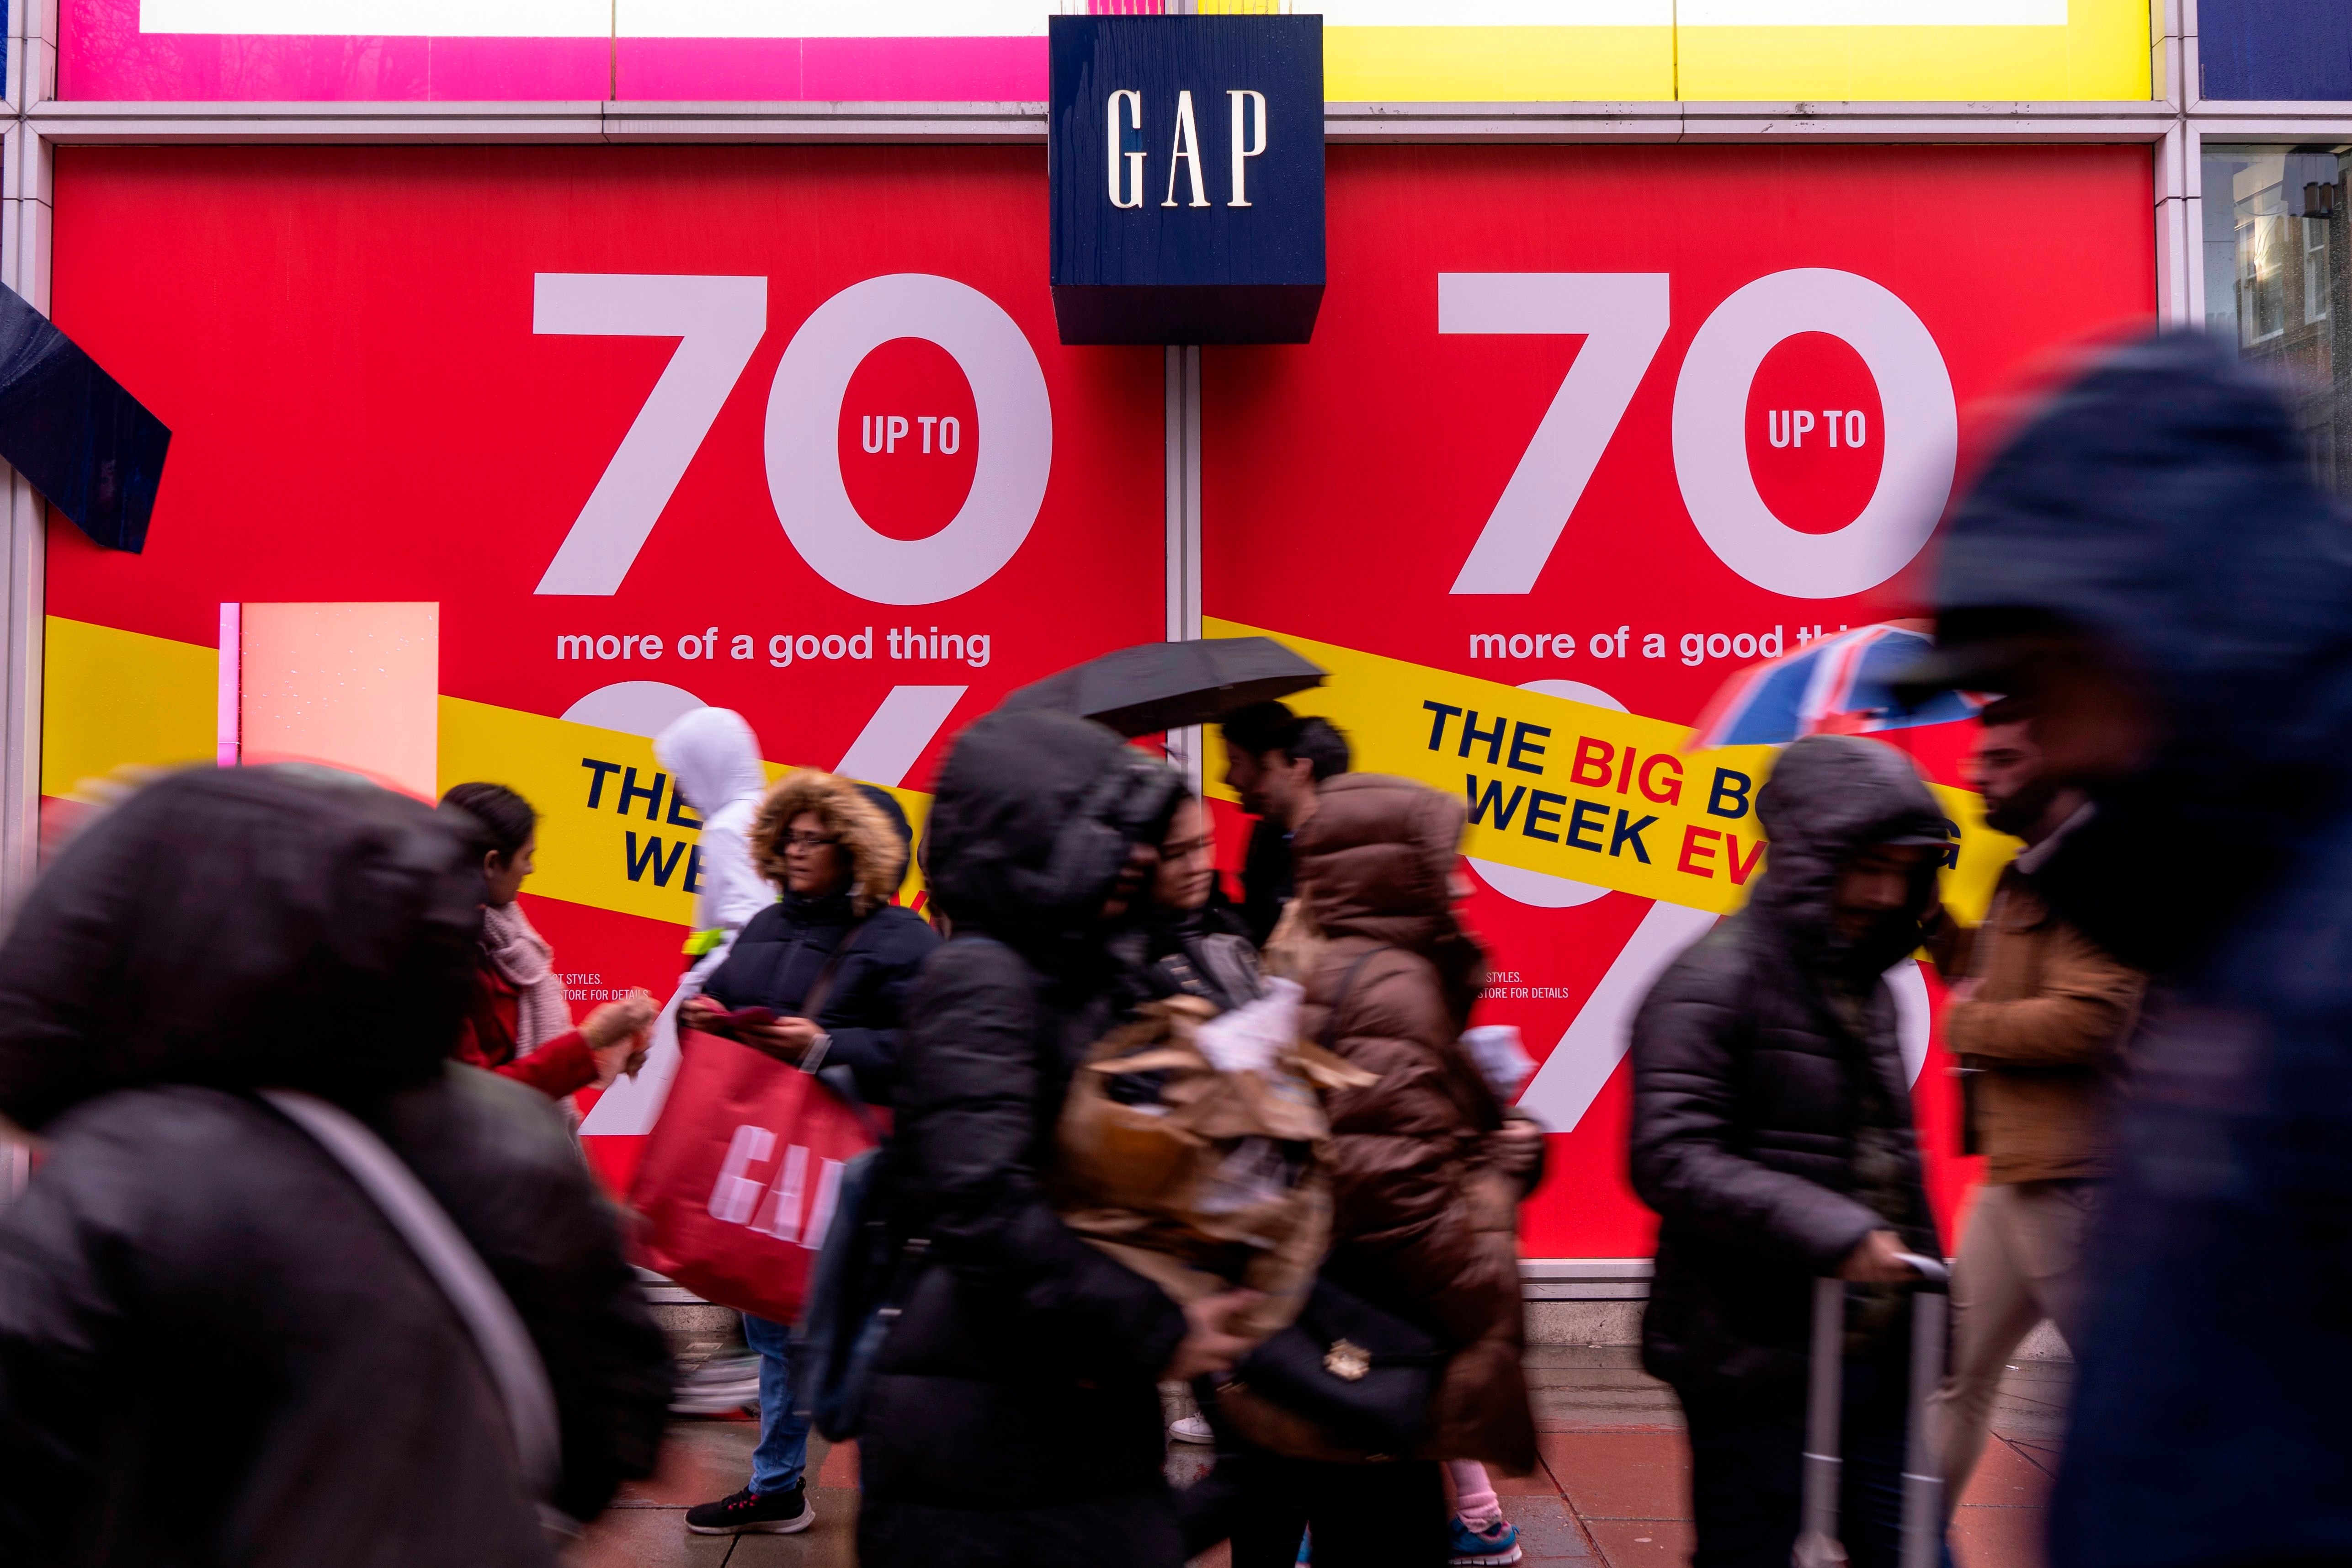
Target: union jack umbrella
{"x":1839,"y":684}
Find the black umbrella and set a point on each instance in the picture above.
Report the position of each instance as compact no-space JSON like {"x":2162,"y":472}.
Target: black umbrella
{"x":1156,"y":686}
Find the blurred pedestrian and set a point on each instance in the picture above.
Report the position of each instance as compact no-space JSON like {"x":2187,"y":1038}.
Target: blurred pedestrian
{"x":835,"y":962}
{"x":1773,"y":1133}
{"x":715,"y":759}
{"x":1012,"y":1416}
{"x":2037,"y":1016}
{"x":1274,"y":761}
{"x":1196,"y":947}
{"x":2149,"y":563}
{"x":1197,"y":944}
{"x":714,"y":756}
{"x":1428,"y":1168}
{"x":519,"y":1023}
{"x":213,"y":1348}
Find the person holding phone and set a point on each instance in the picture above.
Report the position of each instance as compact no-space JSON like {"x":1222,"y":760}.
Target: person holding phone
{"x":519,"y":1022}
{"x":817,"y":980}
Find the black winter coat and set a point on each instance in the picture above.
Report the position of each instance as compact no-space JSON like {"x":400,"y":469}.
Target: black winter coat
{"x":1749,"y":1088}
{"x":1012,"y":1419}
{"x":779,"y":955}
{"x":214,"y":1349}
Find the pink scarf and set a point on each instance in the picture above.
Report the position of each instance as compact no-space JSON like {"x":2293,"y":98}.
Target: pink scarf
{"x":522,"y":959}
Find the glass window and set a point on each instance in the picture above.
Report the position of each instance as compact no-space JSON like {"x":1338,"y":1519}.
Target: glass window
{"x":2315,"y":268}
{"x":2274,"y":265}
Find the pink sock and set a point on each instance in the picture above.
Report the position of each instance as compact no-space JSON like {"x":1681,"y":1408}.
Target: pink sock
{"x":1474,"y":1494}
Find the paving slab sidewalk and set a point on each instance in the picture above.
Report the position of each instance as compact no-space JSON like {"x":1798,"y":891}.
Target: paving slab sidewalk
{"x":1612,"y":1492}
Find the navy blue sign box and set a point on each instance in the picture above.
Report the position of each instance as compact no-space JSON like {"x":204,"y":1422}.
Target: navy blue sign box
{"x":1186,"y":159}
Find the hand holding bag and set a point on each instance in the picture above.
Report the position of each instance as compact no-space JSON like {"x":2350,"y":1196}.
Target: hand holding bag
{"x":742,"y":1175}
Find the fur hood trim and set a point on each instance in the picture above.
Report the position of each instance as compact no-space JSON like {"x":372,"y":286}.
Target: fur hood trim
{"x":877,"y":850}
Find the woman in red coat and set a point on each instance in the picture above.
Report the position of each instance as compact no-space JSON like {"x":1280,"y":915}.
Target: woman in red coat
{"x":519,"y":1021}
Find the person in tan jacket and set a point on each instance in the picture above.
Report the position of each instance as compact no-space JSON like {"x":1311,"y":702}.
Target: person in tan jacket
{"x":2038,"y":1019}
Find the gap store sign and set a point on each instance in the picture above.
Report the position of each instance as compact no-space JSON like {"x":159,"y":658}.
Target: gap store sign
{"x":1187,"y":173}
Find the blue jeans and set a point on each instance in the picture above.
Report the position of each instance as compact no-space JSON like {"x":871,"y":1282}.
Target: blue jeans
{"x":782,"y":1454}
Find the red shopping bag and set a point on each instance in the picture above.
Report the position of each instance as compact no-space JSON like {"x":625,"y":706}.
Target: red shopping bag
{"x":741,"y":1174}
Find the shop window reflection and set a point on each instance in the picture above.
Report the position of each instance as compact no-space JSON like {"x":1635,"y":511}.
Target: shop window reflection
{"x":2273,"y":272}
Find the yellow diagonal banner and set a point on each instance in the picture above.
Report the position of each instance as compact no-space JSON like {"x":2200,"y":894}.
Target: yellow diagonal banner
{"x":1577,"y":791}
{"x":612,"y":832}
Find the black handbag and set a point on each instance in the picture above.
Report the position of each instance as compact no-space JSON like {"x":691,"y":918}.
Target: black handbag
{"x":1362,"y":1375}
{"x":1359,"y":1373}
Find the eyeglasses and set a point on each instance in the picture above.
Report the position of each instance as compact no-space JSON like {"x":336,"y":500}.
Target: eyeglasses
{"x":810,"y":840}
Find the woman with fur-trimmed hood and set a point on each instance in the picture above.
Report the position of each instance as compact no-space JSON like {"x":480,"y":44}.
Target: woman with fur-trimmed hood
{"x":839,"y":851}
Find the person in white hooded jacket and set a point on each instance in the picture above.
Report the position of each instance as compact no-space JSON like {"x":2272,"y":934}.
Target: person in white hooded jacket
{"x":715,"y":757}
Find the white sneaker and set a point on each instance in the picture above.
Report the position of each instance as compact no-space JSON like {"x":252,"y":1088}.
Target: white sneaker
{"x":1192,"y":1430}
{"x":719,"y":1385}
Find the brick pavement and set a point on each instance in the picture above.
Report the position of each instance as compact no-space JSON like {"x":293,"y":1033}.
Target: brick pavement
{"x":1611,"y":1493}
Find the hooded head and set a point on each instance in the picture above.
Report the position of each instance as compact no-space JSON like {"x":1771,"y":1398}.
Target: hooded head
{"x":283,"y":927}
{"x":872,"y":829}
{"x":714,"y":756}
{"x":1829,"y":799}
{"x":2158,"y":521}
{"x":1378,"y":859}
{"x":1032,"y":824}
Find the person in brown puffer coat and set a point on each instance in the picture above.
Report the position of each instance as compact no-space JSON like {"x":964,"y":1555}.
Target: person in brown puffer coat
{"x":1428,"y":1168}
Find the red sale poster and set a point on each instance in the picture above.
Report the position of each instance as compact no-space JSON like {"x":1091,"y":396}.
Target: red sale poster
{"x":784,"y":430}
{"x":1582,"y":431}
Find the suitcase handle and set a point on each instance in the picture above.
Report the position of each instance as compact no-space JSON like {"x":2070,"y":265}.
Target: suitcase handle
{"x":1933,"y":1270}
{"x":1923,"y":1481}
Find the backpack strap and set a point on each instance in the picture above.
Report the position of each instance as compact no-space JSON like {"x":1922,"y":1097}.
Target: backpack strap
{"x":489,"y":1317}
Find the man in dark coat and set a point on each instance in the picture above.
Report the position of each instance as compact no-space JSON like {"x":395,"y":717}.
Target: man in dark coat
{"x":1012,"y":1420}
{"x":2150,"y":562}
{"x":1274,"y":761}
{"x":1773,"y":1133}
{"x":213,"y":1347}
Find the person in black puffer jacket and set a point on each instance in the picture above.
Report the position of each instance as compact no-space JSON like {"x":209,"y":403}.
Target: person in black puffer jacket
{"x":213,"y":1347}
{"x":834,"y":960}
{"x":1012,"y":1420}
{"x":841,"y":876}
{"x":1773,"y":1133}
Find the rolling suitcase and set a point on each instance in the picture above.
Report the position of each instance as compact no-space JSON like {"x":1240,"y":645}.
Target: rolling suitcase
{"x":1923,"y":1480}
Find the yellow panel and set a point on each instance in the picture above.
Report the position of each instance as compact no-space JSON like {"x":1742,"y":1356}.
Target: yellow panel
{"x":115,"y":699}
{"x":1471,"y":64}
{"x":2101,"y":53}
{"x":637,"y":862}
{"x":1586,"y":793}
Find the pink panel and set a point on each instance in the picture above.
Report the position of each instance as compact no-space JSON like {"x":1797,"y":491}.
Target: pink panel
{"x":986,"y":70}
{"x":229,"y":715}
{"x":741,"y":70}
{"x":103,"y":57}
{"x":355,"y":685}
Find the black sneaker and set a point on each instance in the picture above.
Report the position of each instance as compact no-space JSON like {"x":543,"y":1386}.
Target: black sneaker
{"x":748,"y":1512}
